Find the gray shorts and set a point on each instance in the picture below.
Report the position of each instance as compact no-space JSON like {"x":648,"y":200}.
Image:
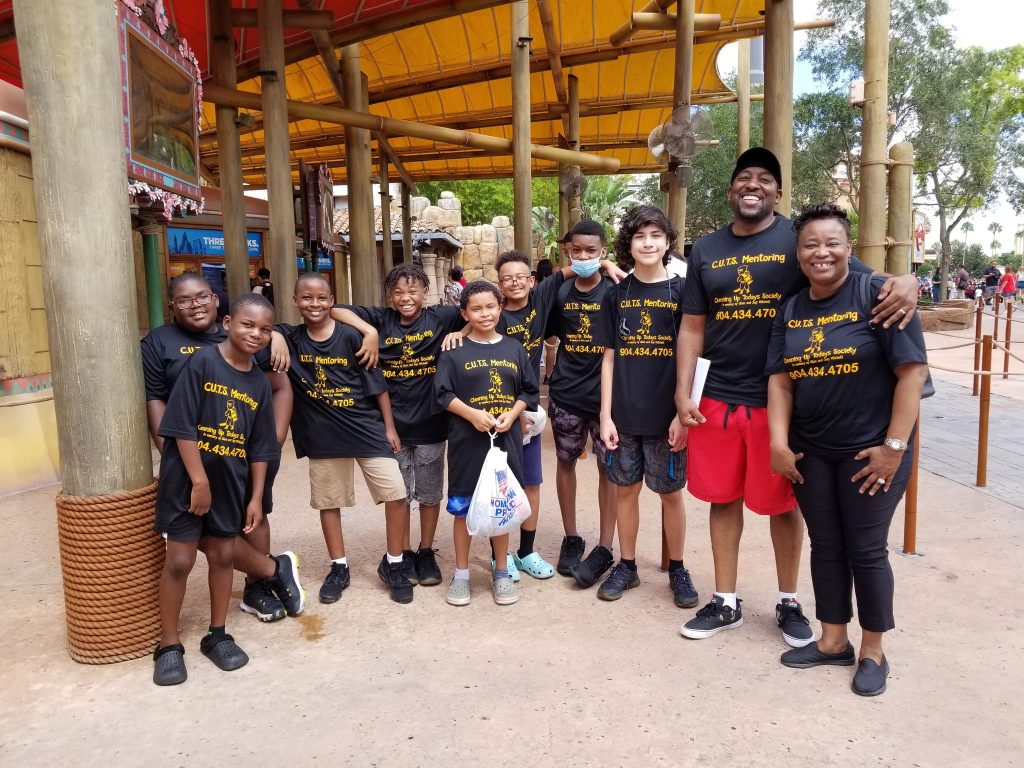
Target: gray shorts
{"x":649,"y":459}
{"x":423,"y":472}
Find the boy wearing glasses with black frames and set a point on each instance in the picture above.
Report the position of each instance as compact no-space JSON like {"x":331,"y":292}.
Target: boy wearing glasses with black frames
{"x":639,"y":426}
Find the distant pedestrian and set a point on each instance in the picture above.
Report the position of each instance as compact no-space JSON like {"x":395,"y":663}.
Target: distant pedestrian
{"x":263,"y":285}
{"x":1008,"y":285}
{"x":453,"y":287}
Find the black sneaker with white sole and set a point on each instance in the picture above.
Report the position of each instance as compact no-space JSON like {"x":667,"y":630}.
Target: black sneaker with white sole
{"x":393,"y":575}
{"x":712,"y":619}
{"x":569,"y":555}
{"x":683,"y":591}
{"x":796,"y":629}
{"x":258,"y":600}
{"x":593,"y":566}
{"x":335,"y":583}
{"x":285,"y":583}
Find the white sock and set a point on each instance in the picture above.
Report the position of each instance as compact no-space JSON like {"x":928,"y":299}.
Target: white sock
{"x":394,"y":558}
{"x":341,"y":561}
{"x":729,"y":598}
{"x":788,"y":596}
{"x":461,"y":574}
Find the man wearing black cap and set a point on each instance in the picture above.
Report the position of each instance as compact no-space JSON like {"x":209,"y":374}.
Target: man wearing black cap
{"x":565,"y":247}
{"x":737,"y":278}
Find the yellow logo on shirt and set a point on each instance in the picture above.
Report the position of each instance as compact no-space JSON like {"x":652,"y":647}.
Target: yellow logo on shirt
{"x":495,"y":388}
{"x":816,"y":340}
{"x":645,"y":323}
{"x":744,"y":279}
{"x":230,"y":417}
{"x":321,"y":377}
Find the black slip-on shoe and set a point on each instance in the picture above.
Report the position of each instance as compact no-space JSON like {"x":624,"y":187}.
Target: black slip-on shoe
{"x":809,"y":655}
{"x":870,"y":677}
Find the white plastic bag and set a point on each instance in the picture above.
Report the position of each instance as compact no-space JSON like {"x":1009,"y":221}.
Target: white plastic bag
{"x":499,"y":503}
{"x":538,"y":420}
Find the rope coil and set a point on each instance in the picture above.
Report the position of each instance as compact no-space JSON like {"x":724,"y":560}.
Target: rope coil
{"x":110,"y":563}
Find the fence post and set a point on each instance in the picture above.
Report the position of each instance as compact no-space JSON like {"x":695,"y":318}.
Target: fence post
{"x":910,"y":503}
{"x":978,"y":319}
{"x":1008,"y":334}
{"x":986,"y":392}
{"x":996,"y":301}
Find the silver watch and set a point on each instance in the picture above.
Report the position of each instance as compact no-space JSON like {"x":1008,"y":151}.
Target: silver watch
{"x":895,"y":444}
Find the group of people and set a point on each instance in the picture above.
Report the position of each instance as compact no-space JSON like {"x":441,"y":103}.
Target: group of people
{"x":816,"y":369}
{"x":1008,"y":284}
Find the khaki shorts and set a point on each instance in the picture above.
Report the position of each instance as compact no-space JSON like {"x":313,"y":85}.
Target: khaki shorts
{"x":332,"y":481}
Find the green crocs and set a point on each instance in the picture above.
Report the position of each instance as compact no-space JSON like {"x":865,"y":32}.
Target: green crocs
{"x":535,"y":565}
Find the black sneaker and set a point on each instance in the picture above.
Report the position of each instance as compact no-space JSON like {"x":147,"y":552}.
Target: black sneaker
{"x":285,"y":583}
{"x":712,"y":619}
{"x":683,"y":591}
{"x":409,"y":567}
{"x":393,"y":574}
{"x":619,"y":580}
{"x":335,"y":583}
{"x":569,"y":555}
{"x":796,"y":629}
{"x":258,"y":600}
{"x":593,"y":566}
{"x":426,"y":567}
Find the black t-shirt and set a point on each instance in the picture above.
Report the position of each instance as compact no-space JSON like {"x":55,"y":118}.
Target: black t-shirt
{"x":841,"y":366}
{"x":408,"y":360}
{"x":641,"y":322}
{"x":576,"y":379}
{"x":739,"y":283}
{"x":230,"y":415}
{"x":528,"y":323}
{"x":489,"y":377}
{"x":165,"y":350}
{"x":335,"y":413}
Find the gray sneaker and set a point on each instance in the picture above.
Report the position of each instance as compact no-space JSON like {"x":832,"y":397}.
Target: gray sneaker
{"x":458,"y":592}
{"x":505,"y":592}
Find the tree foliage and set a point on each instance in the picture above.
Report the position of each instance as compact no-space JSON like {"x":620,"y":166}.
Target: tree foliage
{"x":606,"y":199}
{"x":483,"y":199}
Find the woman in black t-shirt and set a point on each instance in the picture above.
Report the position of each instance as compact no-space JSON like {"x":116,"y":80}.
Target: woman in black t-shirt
{"x":843,"y":398}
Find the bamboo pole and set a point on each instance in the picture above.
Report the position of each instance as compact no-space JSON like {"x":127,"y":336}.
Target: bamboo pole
{"x":574,"y":203}
{"x":300,"y":110}
{"x":547,"y":25}
{"x":563,"y":205}
{"x":1006,"y":344}
{"x":406,"y":225}
{"x":651,"y":20}
{"x":910,"y":505}
{"x":85,"y":242}
{"x":996,"y":303}
{"x":978,"y":319}
{"x":304,"y":19}
{"x":874,"y":130}
{"x":280,"y":194}
{"x":682,"y":84}
{"x":151,"y":266}
{"x":778,"y":92}
{"x":362,"y":241}
{"x":385,"y":216}
{"x":222,"y":65}
{"x":522,"y":217}
{"x":983,"y":411}
{"x":901,"y":208}
{"x":742,"y":97}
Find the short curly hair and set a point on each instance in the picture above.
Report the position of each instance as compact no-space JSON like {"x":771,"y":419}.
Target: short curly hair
{"x":635,"y":218}
{"x":479,"y":286}
{"x":821,"y":212}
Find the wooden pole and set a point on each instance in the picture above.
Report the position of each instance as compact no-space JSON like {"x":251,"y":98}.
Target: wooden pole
{"x":653,"y":17}
{"x":406,"y":225}
{"x":996,"y":301}
{"x":522,"y":218}
{"x":362,"y":242}
{"x":229,"y":154}
{"x":300,"y":110}
{"x":1009,"y":333}
{"x":742,"y":97}
{"x":682,"y":84}
{"x":874,"y":130}
{"x":778,"y":92}
{"x":986,"y":395}
{"x":563,"y":205}
{"x":978,"y":319}
{"x":280,"y":194}
{"x":155,"y":294}
{"x":84,"y":230}
{"x":302,"y":19}
{"x":385,"y":215}
{"x":574,"y":202}
{"x":901,"y":208}
{"x":910,"y":504}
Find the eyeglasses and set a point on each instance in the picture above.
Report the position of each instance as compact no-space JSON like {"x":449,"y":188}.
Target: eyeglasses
{"x":515,"y":280}
{"x":200,"y":300}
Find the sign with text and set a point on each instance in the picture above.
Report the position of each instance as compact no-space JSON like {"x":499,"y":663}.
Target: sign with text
{"x":207,"y":242}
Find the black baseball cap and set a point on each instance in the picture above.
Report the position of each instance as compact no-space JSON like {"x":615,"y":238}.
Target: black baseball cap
{"x":758,"y":157}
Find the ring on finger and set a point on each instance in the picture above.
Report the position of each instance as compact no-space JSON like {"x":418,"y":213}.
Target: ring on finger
{"x":879,"y":479}
{"x":902,"y":311}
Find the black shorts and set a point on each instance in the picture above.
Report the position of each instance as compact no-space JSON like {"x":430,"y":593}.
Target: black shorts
{"x":181,"y":525}
{"x":268,"y":486}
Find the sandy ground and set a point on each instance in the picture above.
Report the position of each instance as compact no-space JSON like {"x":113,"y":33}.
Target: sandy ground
{"x":561,"y":678}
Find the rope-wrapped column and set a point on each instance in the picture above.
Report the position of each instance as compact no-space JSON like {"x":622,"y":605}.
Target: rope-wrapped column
{"x":110,"y":560}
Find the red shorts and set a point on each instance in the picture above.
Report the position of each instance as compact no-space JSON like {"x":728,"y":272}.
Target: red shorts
{"x":729,"y":459}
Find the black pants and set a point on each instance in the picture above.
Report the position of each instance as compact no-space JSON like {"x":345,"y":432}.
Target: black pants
{"x":849,"y":533}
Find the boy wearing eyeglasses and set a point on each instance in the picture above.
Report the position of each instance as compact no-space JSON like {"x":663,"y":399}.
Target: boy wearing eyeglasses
{"x":639,"y":426}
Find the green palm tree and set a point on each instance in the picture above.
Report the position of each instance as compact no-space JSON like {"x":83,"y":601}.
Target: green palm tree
{"x":968,"y":227}
{"x":995,"y":228}
{"x":606,"y":199}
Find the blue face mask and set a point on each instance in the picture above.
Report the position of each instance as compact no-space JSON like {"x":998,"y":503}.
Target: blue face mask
{"x":586,"y":268}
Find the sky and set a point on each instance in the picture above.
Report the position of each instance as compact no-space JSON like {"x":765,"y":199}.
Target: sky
{"x":973,"y":21}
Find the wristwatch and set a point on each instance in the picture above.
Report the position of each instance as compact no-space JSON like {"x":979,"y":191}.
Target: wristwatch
{"x":895,"y":444}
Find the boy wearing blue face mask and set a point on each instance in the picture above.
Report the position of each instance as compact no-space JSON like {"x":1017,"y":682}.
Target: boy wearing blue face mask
{"x":575,"y":401}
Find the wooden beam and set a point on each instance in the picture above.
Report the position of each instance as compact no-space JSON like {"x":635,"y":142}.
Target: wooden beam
{"x":362,"y":240}
{"x":742,"y":97}
{"x":359,"y":31}
{"x":300,"y":110}
{"x":303,"y":19}
{"x":778,"y":102}
{"x":551,"y":45}
{"x":385,"y":214}
{"x":522,"y":201}
{"x":642,"y":22}
{"x":874,"y":129}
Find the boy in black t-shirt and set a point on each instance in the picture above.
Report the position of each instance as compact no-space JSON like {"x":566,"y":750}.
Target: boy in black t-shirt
{"x":410,"y":337}
{"x":638,"y":423}
{"x":575,"y":401}
{"x":485,"y":384}
{"x":342,"y":417}
{"x":219,"y":431}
